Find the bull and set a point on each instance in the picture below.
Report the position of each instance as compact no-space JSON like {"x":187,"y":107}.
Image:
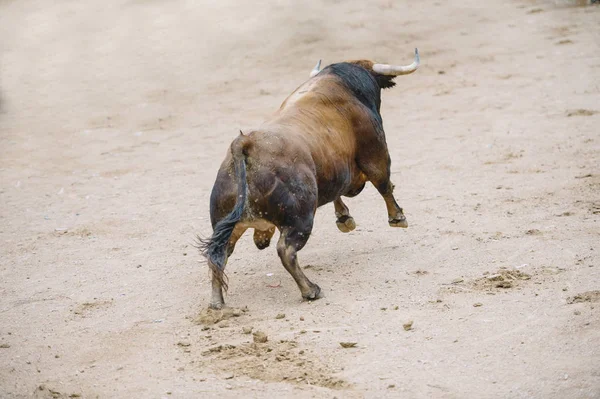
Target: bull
{"x":325,"y":142}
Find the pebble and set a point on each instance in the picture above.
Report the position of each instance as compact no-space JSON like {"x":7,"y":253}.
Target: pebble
{"x":408,"y":325}
{"x":260,"y":337}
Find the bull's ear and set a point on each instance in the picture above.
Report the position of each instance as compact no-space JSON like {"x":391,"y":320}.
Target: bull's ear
{"x":385,"y":82}
{"x":241,"y":133}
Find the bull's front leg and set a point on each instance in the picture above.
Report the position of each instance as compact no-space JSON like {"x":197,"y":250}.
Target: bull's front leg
{"x":396,"y":216}
{"x":345,"y":223}
{"x":287,"y":249}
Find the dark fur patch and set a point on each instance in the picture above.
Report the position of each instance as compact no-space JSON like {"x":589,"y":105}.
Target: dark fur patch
{"x":361,"y":83}
{"x":385,"y":82}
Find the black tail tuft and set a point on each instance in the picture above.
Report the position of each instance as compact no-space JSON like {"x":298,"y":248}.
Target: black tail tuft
{"x":214,"y":249}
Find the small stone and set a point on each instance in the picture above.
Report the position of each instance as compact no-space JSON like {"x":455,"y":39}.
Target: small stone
{"x":396,"y":307}
{"x":348,"y":344}
{"x":223,"y":324}
{"x":280,"y":316}
{"x":260,"y":337}
{"x":577,"y":313}
{"x":477,"y":304}
{"x":229,"y":376}
{"x":237,"y":312}
{"x":184,"y":344}
{"x":301,"y":318}
{"x":4,"y":346}
{"x":407,"y":326}
{"x":458,"y":280}
{"x":391,"y":386}
{"x":246,"y":330}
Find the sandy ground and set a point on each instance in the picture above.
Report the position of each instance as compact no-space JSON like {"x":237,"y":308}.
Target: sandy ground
{"x":114,"y":119}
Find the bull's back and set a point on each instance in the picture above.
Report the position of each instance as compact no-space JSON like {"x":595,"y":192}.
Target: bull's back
{"x":329,"y":117}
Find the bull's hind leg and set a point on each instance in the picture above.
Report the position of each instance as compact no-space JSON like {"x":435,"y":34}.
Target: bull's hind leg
{"x":345,"y":223}
{"x":290,"y":242}
{"x":217,"y":300}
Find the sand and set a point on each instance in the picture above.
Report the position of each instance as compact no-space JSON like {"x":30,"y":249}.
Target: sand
{"x":114,"y":118}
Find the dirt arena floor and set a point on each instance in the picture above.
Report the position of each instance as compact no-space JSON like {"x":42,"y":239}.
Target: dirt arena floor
{"x":114,"y":118}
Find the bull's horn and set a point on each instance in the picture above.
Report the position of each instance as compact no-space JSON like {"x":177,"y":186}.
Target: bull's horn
{"x":316,"y":69}
{"x":395,"y":70}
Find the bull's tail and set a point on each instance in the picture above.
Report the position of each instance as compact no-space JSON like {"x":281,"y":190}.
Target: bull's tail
{"x":215,"y":247}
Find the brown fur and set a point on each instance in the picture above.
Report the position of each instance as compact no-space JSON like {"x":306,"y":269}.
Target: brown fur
{"x":325,"y":141}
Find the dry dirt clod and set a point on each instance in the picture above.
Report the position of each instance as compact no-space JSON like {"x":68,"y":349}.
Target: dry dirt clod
{"x":4,"y":346}
{"x":589,"y":296}
{"x":301,"y":318}
{"x":477,"y":304}
{"x":458,"y":280}
{"x":184,"y":344}
{"x":280,"y":316}
{"x":577,"y":313}
{"x":247,"y":330}
{"x":223,"y":324}
{"x":211,"y":316}
{"x":504,"y":284}
{"x":260,"y":337}
{"x":348,"y":344}
{"x":407,"y":326}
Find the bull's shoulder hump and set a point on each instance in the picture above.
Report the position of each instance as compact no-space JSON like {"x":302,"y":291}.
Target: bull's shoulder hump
{"x":310,"y":90}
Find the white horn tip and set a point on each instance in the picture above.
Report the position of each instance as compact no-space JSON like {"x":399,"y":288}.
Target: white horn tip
{"x":316,"y":69}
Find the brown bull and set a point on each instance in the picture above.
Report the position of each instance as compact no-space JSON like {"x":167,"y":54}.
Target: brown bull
{"x":325,"y":141}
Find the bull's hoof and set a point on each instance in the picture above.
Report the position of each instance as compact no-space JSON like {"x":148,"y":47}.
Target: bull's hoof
{"x":262,"y":244}
{"x":345,"y":224}
{"x":399,"y":222}
{"x":216,"y":305}
{"x":315,"y":293}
